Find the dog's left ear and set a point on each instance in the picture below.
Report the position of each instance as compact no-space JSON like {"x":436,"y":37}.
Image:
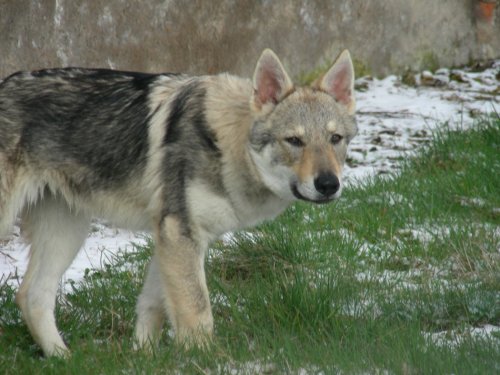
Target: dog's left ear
{"x":339,"y":82}
{"x":271,"y":83}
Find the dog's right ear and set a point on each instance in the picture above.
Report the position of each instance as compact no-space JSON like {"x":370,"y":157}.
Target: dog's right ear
{"x":338,"y":81}
{"x":271,"y":83}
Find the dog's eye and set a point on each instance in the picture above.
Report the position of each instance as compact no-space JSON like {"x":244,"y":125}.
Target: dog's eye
{"x":336,"y":138}
{"x":295,"y":141}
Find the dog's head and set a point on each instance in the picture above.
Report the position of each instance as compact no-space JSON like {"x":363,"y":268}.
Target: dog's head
{"x":300,"y":134}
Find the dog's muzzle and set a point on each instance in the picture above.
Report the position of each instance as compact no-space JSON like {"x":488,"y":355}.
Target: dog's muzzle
{"x":326,"y":186}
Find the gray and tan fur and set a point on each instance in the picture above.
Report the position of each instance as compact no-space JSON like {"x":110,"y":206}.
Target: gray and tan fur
{"x":187,"y":158}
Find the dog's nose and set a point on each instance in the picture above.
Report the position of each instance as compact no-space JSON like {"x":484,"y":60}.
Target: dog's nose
{"x":327,"y":184}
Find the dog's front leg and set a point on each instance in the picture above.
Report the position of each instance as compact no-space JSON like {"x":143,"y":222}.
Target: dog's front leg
{"x":180,"y":269}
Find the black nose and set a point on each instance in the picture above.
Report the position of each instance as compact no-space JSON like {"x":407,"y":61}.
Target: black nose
{"x":327,"y":184}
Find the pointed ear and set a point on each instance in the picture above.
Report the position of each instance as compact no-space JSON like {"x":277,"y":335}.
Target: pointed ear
{"x":339,"y":82}
{"x":270,"y":82}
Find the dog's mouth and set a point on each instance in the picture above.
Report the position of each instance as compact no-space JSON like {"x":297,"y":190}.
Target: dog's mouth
{"x":321,"y":200}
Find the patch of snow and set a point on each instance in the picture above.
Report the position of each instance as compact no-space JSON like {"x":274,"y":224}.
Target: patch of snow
{"x":454,"y":338}
{"x":427,"y":233}
{"x":394,"y":119}
{"x":102,"y":243}
{"x":230,"y":238}
{"x":472,"y":202}
{"x":249,"y":368}
{"x":261,"y":367}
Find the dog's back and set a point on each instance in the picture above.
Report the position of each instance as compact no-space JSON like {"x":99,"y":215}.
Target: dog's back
{"x":64,"y":124}
{"x":66,"y":117}
{"x":92,"y":136}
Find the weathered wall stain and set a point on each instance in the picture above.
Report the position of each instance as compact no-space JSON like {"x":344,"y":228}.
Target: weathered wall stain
{"x":200,"y":36}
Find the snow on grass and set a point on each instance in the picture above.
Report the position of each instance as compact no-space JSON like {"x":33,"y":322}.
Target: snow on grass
{"x":427,"y":233}
{"x":394,"y":119}
{"x":102,"y":243}
{"x":262,"y":367}
{"x":455,"y":337}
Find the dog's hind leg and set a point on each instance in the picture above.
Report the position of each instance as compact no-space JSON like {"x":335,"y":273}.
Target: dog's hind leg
{"x":150,"y":309}
{"x":56,"y":234}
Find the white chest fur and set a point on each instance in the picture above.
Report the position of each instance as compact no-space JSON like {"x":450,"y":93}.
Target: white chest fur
{"x":214,"y":214}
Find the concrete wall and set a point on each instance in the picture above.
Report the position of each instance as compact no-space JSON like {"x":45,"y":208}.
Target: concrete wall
{"x":208,"y":36}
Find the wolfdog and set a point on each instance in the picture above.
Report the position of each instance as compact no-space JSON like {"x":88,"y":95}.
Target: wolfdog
{"x":186,"y":158}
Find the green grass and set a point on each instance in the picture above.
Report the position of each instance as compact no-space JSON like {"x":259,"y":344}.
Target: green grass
{"x":359,"y":286}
